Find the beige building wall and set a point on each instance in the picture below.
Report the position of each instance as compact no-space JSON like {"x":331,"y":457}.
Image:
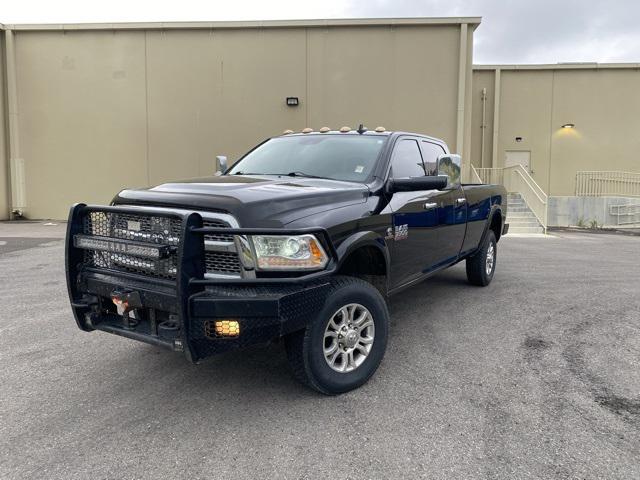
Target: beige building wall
{"x":603,"y":101}
{"x":105,"y":107}
{"x":82,"y":116}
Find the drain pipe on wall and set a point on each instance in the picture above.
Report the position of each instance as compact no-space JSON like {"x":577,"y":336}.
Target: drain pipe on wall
{"x":496,"y":118}
{"x":483,"y":126}
{"x":462,"y":77}
{"x":16,"y":163}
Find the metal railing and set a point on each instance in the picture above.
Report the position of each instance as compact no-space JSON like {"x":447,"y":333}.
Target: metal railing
{"x":607,"y":183}
{"x":628,"y":214}
{"x":516,"y":179}
{"x":474,"y":178}
{"x":491,"y":175}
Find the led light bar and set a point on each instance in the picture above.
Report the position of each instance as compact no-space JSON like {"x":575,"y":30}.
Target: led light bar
{"x":106,"y":244}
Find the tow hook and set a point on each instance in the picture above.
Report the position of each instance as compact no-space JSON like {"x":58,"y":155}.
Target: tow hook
{"x":90,"y":303}
{"x":126,"y":301}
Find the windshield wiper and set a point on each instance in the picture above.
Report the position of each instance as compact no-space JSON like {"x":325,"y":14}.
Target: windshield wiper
{"x":290,"y":174}
{"x":302,"y":174}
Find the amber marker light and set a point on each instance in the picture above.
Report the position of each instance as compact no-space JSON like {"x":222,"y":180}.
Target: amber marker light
{"x":227,"y":328}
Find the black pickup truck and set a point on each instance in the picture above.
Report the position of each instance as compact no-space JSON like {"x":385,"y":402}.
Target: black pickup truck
{"x":302,"y":239}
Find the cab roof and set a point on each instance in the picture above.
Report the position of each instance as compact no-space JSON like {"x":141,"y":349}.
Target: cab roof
{"x":383,"y":133}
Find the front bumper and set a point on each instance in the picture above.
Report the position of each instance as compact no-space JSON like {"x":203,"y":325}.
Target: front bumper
{"x":181,"y":314}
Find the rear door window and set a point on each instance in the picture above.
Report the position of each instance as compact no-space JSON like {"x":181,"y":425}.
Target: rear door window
{"x":407,"y":160}
{"x":430,"y":154}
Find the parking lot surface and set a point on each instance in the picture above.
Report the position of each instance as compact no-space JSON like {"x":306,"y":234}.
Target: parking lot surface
{"x":535,"y":376}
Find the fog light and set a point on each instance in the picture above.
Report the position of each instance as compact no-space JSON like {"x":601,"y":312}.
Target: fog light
{"x":227,"y":328}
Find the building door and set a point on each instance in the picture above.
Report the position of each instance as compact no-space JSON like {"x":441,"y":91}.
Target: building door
{"x":518,"y":157}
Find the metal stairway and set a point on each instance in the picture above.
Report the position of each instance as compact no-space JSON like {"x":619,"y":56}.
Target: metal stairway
{"x":520,"y":217}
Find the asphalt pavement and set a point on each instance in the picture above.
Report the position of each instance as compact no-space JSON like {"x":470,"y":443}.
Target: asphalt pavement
{"x":535,"y":376}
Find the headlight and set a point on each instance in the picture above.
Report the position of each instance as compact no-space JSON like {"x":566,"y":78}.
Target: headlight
{"x":282,"y":252}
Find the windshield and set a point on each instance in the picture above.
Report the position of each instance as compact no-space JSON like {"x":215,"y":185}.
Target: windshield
{"x":338,"y":157}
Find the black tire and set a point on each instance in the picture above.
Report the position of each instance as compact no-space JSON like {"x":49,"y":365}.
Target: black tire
{"x":305,"y":347}
{"x":477,"y":264}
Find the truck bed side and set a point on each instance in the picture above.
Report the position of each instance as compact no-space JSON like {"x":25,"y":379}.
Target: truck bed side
{"x":482,"y":202}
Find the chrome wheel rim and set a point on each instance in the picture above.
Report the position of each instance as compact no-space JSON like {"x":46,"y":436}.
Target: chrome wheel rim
{"x":348,"y":338}
{"x":491,"y":258}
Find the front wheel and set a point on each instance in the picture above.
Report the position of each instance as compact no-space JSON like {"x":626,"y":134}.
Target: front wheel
{"x":482,"y":265}
{"x":342,"y":348}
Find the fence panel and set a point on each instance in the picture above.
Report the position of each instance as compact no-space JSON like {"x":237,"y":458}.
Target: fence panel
{"x":607,"y":184}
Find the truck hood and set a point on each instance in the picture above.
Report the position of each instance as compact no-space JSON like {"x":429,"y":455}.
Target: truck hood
{"x":255,"y":201}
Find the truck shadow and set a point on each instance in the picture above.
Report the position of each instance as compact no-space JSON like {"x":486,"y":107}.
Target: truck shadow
{"x":263,"y":370}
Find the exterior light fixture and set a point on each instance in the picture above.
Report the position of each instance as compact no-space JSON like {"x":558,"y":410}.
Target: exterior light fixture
{"x":569,"y":125}
{"x":292,"y":101}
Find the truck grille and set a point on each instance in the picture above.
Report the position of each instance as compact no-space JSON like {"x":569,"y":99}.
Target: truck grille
{"x":216,"y":237}
{"x":222,"y":262}
{"x":156,"y":230}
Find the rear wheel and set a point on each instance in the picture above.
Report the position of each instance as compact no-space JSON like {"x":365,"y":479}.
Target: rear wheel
{"x":482,"y":265}
{"x":342,"y":348}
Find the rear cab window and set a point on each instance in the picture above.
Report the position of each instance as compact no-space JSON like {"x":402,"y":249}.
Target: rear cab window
{"x":430,"y":153}
{"x":406,"y":160}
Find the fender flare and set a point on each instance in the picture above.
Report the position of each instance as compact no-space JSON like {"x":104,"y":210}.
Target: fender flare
{"x":495,"y":210}
{"x":363,"y":239}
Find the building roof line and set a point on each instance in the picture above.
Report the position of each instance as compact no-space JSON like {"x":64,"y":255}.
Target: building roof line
{"x":346,"y":22}
{"x":560,"y":66}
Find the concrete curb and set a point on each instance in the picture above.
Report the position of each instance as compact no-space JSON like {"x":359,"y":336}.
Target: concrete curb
{"x":610,"y":231}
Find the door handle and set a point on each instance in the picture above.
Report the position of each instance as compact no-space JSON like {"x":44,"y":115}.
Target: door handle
{"x":460,"y":201}
{"x":430,"y":206}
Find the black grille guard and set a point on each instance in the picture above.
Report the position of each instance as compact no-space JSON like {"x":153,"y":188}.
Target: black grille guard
{"x":190,"y":279}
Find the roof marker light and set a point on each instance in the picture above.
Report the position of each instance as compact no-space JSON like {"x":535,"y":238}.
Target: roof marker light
{"x":380,"y":129}
{"x":569,"y":125}
{"x":287,"y":132}
{"x":324,"y":130}
{"x":345,"y":129}
{"x":307,"y":130}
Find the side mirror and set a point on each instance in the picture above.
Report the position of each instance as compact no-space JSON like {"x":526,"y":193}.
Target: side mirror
{"x":413,"y":184}
{"x":450,"y":165}
{"x":221,"y":161}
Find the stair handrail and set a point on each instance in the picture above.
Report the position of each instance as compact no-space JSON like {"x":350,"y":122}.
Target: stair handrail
{"x":475,"y":178}
{"x":532,"y":194}
{"x":543,"y":197}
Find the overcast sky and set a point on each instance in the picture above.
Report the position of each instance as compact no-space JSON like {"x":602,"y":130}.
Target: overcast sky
{"x":512,"y":31}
